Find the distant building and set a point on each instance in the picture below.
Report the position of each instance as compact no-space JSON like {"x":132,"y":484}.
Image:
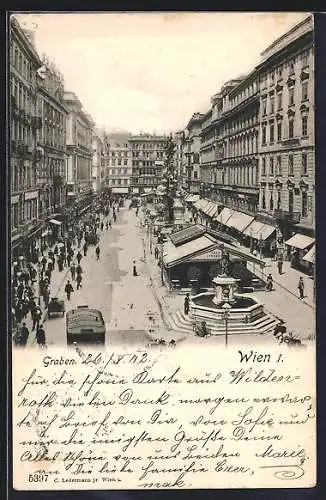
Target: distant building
{"x":79,"y":153}
{"x":118,"y":163}
{"x":147,"y":156}
{"x":24,"y":156}
{"x":191,"y":152}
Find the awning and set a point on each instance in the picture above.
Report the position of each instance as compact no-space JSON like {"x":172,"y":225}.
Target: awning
{"x":239,"y":221}
{"x":172,"y":255}
{"x":310,"y":255}
{"x":259,"y":230}
{"x":56,"y":222}
{"x":213,"y":209}
{"x":205,"y":206}
{"x":300,"y":241}
{"x":224,"y":216}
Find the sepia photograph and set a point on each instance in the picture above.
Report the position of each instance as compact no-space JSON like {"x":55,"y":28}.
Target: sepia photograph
{"x":162,"y":201}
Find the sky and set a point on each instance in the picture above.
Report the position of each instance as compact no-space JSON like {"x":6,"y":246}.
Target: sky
{"x":149,"y":72}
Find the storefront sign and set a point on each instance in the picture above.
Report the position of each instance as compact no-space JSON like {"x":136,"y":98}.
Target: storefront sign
{"x":31,"y":195}
{"x":213,"y":255}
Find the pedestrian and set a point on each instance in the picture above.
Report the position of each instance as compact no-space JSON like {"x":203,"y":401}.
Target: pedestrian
{"x":60,"y":263}
{"x":79,"y":270}
{"x":301,"y":288}
{"x":79,"y":257}
{"x":110,"y":223}
{"x":73,"y":271}
{"x":48,"y":273}
{"x":280,"y":266}
{"x":134,"y":269}
{"x":78,"y":281}
{"x":102,"y":226}
{"x":69,"y":259}
{"x":43,"y":262}
{"x":23,"y":335}
{"x":40,"y":336}
{"x":37,"y":314}
{"x":269,"y":285}
{"x":186,"y":304}
{"x":85,"y":249}
{"x":46,"y":296}
{"x":97,"y":251}
{"x":68,"y":289}
{"x":107,"y":225}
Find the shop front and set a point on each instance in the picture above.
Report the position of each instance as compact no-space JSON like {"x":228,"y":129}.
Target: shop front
{"x":298,"y":247}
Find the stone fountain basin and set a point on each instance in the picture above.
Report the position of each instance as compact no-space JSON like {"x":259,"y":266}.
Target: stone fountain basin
{"x":246,"y":308}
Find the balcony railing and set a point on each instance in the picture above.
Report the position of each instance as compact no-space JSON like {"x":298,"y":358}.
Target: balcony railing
{"x":285,"y":215}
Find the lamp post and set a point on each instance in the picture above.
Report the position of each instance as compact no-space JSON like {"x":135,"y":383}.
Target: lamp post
{"x":162,"y":274}
{"x":226,"y":313}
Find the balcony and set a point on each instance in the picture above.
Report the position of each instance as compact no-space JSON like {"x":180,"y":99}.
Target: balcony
{"x":291,"y":142}
{"x":284,"y":215}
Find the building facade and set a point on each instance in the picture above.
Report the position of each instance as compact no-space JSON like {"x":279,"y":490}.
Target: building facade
{"x":79,"y":127}
{"x":98,"y":163}
{"x":191,"y":152}
{"x":51,"y":142}
{"x":24,"y":157}
{"x":118,"y":163}
{"x":287,"y":153}
{"x":147,"y":157}
{"x":239,"y":134}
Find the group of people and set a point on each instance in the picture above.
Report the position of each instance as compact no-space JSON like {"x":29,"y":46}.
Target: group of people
{"x":32,"y":273}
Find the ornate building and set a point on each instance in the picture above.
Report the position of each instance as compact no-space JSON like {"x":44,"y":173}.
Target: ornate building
{"x":287,"y":154}
{"x":147,"y":156}
{"x":51,"y":141}
{"x":118,"y":163}
{"x":24,"y":157}
{"x":191,"y":152}
{"x":79,"y":126}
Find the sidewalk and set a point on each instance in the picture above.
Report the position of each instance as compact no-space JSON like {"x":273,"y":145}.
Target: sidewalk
{"x":288,"y":280}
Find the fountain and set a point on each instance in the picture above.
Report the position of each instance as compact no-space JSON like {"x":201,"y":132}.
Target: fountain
{"x":244,"y":313}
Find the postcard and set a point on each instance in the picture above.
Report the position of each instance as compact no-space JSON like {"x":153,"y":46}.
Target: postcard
{"x":162,"y":189}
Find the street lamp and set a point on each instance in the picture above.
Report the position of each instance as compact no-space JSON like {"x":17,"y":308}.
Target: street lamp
{"x":226,"y":313}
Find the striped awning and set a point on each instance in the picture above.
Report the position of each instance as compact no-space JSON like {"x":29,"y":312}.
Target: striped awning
{"x":300,"y":241}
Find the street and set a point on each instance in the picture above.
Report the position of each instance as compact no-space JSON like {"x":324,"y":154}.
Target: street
{"x":108,"y":285}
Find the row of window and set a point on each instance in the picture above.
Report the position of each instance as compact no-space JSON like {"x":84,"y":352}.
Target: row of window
{"x":268,"y":201}
{"x":148,"y":145}
{"x":23,"y":213}
{"x":22,"y":95}
{"x":273,"y":167}
{"x":22,"y":133}
{"x":22,"y":178}
{"x":247,"y":92}
{"x":279,"y":99}
{"x":279,"y":130}
{"x":118,"y":182}
{"x":119,"y":162}
{"x":118,"y":154}
{"x":301,"y":62}
{"x":154,"y":155}
{"x":118,"y":171}
{"x":20,"y":62}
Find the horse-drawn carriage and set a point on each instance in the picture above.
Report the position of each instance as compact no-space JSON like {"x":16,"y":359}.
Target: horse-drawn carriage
{"x":56,"y":306}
